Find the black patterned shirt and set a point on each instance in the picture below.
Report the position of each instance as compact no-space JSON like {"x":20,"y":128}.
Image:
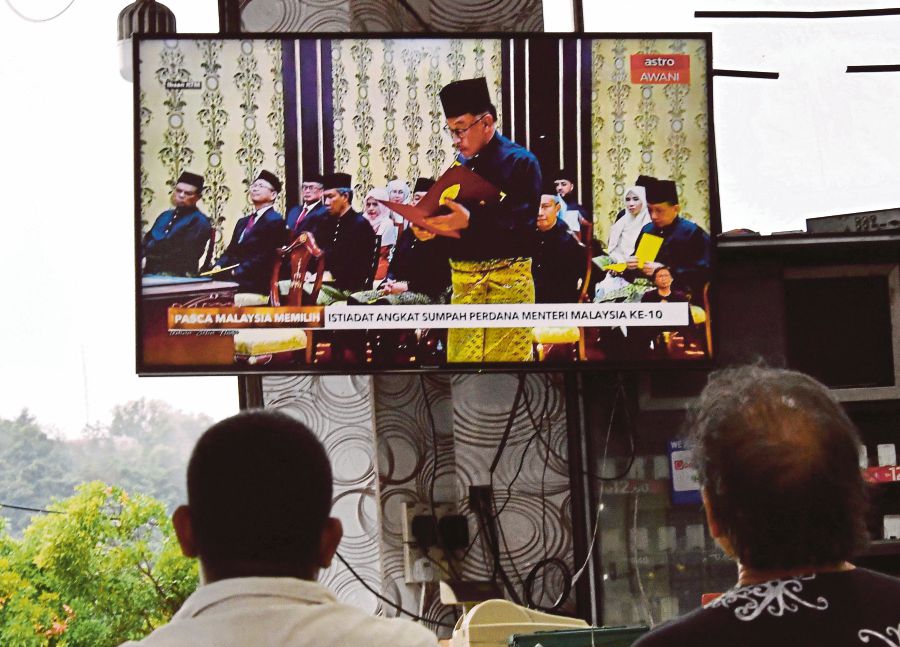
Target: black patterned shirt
{"x":855,"y":607}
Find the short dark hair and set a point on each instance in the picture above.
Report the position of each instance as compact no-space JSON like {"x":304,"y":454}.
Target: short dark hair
{"x":660,"y":269}
{"x":259,"y":488}
{"x":780,"y":462}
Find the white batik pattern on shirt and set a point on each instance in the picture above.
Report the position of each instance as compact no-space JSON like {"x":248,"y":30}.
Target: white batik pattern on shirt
{"x":890,"y":635}
{"x":775,"y":598}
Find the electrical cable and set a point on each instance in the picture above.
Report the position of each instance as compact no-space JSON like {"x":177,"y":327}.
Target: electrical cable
{"x":528,"y":585}
{"x":620,"y":391}
{"x":415,"y":14}
{"x":532,"y":576}
{"x":378,"y":595}
{"x":645,"y":602}
{"x":434,"y":470}
{"x":338,"y":555}
{"x":544,"y":474}
{"x":538,"y":427}
{"x":27,"y":509}
{"x":520,"y":389}
{"x":603,"y":481}
{"x":39,"y":20}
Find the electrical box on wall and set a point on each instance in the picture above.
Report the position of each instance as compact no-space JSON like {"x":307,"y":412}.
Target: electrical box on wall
{"x":430,"y":533}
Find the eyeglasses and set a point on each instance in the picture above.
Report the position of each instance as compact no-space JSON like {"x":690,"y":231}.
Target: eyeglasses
{"x":459,"y":132}
{"x":310,"y":186}
{"x":259,"y":184}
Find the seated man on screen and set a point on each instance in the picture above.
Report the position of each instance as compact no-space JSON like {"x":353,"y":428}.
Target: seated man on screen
{"x":778,"y":460}
{"x":311,"y":190}
{"x":685,"y":246}
{"x":663,"y":292}
{"x":250,"y":255}
{"x":177,"y":240}
{"x":420,"y":189}
{"x":419,"y":271}
{"x":559,"y":261}
{"x":347,"y":239}
{"x":491,"y":260}
{"x":564,"y":183}
{"x":259,"y":489}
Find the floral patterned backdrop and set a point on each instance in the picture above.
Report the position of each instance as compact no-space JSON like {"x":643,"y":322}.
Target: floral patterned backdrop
{"x":215,"y":108}
{"x":388,"y":120}
{"x":658,"y":130}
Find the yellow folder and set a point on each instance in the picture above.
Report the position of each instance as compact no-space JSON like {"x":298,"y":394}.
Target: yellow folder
{"x":646,"y":252}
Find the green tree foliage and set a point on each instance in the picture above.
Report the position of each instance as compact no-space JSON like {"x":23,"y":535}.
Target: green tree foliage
{"x":105,"y":569}
{"x":144,"y":449}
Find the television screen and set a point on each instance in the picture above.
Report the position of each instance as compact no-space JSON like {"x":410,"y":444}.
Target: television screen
{"x":346,"y":203}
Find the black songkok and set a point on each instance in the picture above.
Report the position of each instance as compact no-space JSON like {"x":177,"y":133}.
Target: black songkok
{"x":423,"y":184}
{"x":312,"y":176}
{"x":337,"y":181}
{"x":662,"y":191}
{"x":191,"y":178}
{"x":565,"y":174}
{"x":644,"y":180}
{"x":469,"y":96}
{"x":271,"y":178}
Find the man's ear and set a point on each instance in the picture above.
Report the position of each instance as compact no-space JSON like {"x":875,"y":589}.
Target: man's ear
{"x":714,"y":528}
{"x":331,"y":538}
{"x":184,"y":531}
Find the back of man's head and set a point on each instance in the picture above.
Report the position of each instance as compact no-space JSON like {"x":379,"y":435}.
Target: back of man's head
{"x":259,"y":490}
{"x":779,"y":459}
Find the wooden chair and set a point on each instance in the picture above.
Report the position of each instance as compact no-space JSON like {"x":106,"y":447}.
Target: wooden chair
{"x":210,"y":250}
{"x":695,"y":340}
{"x":281,"y":345}
{"x":304,"y":257}
{"x":569,"y":338}
{"x":376,"y":257}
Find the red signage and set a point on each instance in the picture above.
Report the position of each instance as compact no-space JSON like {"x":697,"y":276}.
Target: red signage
{"x":660,"y":68}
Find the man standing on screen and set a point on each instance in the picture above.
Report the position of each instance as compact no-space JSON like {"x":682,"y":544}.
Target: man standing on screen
{"x":347,"y":239}
{"x":491,"y":260}
{"x":311,"y":190}
{"x":685,"y":246}
{"x":564,"y":180}
{"x":178,"y":238}
{"x":250,"y":255}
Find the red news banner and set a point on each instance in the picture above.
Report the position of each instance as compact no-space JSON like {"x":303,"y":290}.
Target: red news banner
{"x":660,"y":68}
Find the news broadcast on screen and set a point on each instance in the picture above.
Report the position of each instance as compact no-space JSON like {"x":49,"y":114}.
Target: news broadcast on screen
{"x":347,"y":203}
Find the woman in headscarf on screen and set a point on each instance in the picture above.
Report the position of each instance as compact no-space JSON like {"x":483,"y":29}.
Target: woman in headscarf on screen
{"x":399,"y":191}
{"x":623,"y":236}
{"x":379,"y":216}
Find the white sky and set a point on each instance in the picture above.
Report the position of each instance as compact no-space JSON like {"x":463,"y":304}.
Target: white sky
{"x":816,"y":142}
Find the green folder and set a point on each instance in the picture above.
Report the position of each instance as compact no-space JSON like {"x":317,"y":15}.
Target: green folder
{"x":590,"y":637}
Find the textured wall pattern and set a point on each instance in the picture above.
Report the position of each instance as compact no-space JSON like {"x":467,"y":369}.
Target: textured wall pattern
{"x":657,"y":130}
{"x":388,"y":120}
{"x":339,"y":410}
{"x":227,"y":124}
{"x":390,"y":15}
{"x":531,"y":482}
{"x":407,"y":464}
{"x":377,"y":469}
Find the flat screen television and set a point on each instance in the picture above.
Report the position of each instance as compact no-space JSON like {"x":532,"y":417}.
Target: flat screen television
{"x":284,"y":220}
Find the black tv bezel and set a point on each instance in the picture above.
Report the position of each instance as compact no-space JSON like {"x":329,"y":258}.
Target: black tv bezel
{"x":217,"y":370}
